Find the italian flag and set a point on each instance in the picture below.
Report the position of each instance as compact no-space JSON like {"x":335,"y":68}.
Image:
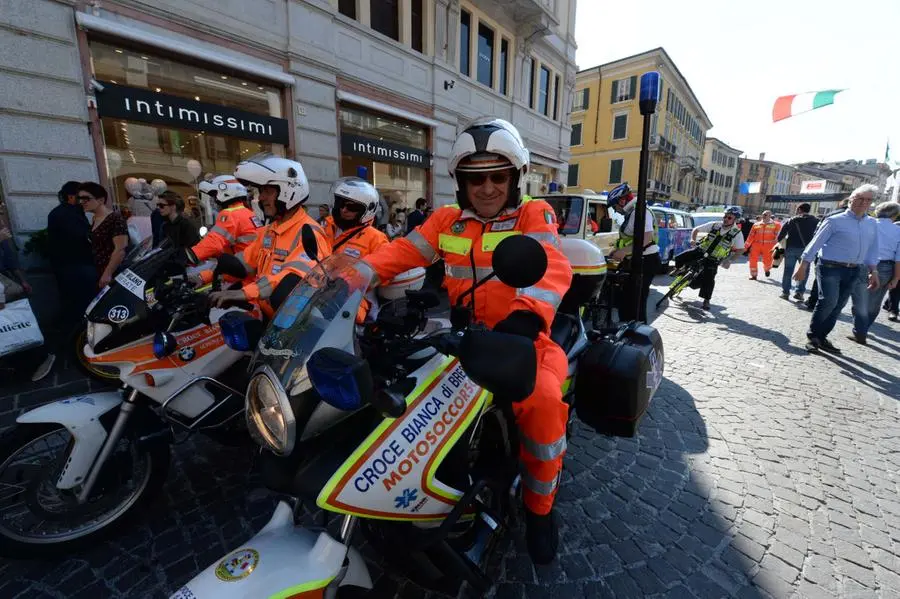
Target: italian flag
{"x":788,"y":106}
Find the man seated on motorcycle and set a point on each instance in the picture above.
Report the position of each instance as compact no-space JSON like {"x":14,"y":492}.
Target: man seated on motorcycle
{"x":349,"y":229}
{"x":277,"y":249}
{"x":721,"y":241}
{"x":488,"y":163}
{"x":236,"y":225}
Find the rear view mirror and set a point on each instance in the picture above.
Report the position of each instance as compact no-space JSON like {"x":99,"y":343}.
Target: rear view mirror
{"x":519,"y":261}
{"x":283,"y":290}
{"x":227,"y":264}
{"x":310,"y":245}
{"x":502,"y":363}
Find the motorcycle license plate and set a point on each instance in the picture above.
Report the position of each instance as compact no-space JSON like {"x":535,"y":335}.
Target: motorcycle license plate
{"x":132,"y":282}
{"x":183,"y":593}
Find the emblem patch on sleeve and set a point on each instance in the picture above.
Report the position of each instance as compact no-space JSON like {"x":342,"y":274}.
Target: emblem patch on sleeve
{"x":458,"y":227}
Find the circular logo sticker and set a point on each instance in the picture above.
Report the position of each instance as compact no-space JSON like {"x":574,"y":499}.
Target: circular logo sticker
{"x":187,"y":354}
{"x":237,"y":565}
{"x":458,"y":227}
{"x":118,"y":314}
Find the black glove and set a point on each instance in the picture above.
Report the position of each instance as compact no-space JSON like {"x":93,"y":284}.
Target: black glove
{"x":521,"y":322}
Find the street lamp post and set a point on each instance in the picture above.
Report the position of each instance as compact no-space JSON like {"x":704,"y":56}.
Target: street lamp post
{"x":650,"y":91}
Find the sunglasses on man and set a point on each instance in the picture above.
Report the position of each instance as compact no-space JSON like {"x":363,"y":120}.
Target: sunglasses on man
{"x":497,"y":178}
{"x":82,"y":198}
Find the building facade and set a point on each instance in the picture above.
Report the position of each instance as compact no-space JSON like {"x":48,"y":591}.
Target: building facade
{"x":606,"y":131}
{"x":169,"y":90}
{"x":773,"y":178}
{"x":721,"y":163}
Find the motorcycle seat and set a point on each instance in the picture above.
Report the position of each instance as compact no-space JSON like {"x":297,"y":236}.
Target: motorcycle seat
{"x":564,"y":331}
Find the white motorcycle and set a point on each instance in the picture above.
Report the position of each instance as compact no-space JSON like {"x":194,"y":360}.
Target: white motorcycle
{"x":73,"y":470}
{"x":410,"y":437}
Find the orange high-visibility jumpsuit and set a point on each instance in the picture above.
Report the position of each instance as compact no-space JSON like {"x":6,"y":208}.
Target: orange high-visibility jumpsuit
{"x":466,"y":243}
{"x":236,"y":227}
{"x":276,"y":251}
{"x":358,"y":242}
{"x":762,"y":239}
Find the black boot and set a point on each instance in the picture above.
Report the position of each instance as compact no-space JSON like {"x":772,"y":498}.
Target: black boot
{"x":541,"y":536}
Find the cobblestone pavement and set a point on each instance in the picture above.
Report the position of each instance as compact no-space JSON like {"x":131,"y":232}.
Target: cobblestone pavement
{"x":758,"y":471}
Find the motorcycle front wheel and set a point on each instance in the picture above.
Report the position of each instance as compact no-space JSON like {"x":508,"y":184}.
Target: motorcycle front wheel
{"x":38,"y":520}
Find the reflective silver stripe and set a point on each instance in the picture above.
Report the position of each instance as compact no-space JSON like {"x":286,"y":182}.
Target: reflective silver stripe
{"x":250,"y":270}
{"x":265,"y":287}
{"x":223,"y":233}
{"x":538,"y":486}
{"x":301,"y":266}
{"x":420,"y":243}
{"x":315,"y":227}
{"x":246,"y":238}
{"x":544,"y":451}
{"x":543,"y":295}
{"x":465,"y":272}
{"x":545,"y":237}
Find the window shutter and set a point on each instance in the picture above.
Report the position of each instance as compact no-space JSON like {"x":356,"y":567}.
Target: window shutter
{"x":572,"y":178}
{"x":586,"y":99}
{"x":633,"y":86}
{"x":615,"y":89}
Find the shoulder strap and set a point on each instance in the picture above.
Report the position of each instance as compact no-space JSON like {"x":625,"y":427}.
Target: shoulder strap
{"x":348,"y":238}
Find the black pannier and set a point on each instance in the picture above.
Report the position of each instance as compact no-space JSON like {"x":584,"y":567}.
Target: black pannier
{"x":617,"y":378}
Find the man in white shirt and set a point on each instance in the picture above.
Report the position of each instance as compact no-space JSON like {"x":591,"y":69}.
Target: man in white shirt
{"x":623,"y":201}
{"x":721,"y":242}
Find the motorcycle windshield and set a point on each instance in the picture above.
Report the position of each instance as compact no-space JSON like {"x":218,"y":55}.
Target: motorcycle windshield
{"x":320,"y":312}
{"x":125,"y":297}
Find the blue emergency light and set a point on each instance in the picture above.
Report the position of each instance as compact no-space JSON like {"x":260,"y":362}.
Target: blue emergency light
{"x":651,"y":91}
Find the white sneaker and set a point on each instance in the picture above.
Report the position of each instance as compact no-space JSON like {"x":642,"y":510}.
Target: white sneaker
{"x":44,"y":369}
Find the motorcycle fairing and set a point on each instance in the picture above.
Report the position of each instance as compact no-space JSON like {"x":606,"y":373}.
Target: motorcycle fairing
{"x":391,"y":475}
{"x":282,"y":561}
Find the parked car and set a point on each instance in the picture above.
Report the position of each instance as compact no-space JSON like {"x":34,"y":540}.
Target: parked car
{"x":675,"y":228}
{"x":585,"y":216}
{"x":701,"y":218}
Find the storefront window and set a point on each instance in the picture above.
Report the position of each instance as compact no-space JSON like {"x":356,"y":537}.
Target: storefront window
{"x":393,"y":152}
{"x":162,"y":119}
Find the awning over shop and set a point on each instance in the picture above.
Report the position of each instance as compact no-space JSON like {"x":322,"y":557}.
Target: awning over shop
{"x":799,"y":198}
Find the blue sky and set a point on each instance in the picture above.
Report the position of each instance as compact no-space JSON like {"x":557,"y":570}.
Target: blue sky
{"x":739,"y":56}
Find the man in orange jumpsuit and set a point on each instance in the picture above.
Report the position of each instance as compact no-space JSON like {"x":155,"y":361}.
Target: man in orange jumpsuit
{"x":488,"y":163}
{"x":762,"y":240}
{"x":277,"y":249}
{"x":236,"y":225}
{"x":349,"y":229}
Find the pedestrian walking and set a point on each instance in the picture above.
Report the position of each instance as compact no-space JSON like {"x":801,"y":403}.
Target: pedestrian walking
{"x":180,"y":230}
{"x":69,"y":241}
{"x":849,"y":250}
{"x":417,"y":216}
{"x":888,"y":269}
{"x":798,"y":231}
{"x":763,"y":237}
{"x":109,"y":232}
{"x":814,"y":290}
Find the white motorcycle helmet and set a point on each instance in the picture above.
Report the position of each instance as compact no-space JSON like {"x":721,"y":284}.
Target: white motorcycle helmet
{"x":269,"y":169}
{"x":489,"y":144}
{"x":223,"y":190}
{"x":357,"y":192}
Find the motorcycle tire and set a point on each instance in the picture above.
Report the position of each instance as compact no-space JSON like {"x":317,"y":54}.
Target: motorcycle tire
{"x":108,"y":375}
{"x":16,"y":546}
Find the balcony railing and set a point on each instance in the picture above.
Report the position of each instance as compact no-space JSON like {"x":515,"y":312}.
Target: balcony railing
{"x":659,"y":188}
{"x":661,"y":144}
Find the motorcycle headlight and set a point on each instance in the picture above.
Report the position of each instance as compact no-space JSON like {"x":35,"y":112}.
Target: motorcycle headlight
{"x":270,"y":418}
{"x":96,"y":332}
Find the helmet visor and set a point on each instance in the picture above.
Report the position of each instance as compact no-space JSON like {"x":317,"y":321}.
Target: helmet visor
{"x":483,"y":162}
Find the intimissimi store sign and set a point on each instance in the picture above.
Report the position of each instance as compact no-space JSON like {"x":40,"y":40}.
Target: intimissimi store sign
{"x":135,"y":104}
